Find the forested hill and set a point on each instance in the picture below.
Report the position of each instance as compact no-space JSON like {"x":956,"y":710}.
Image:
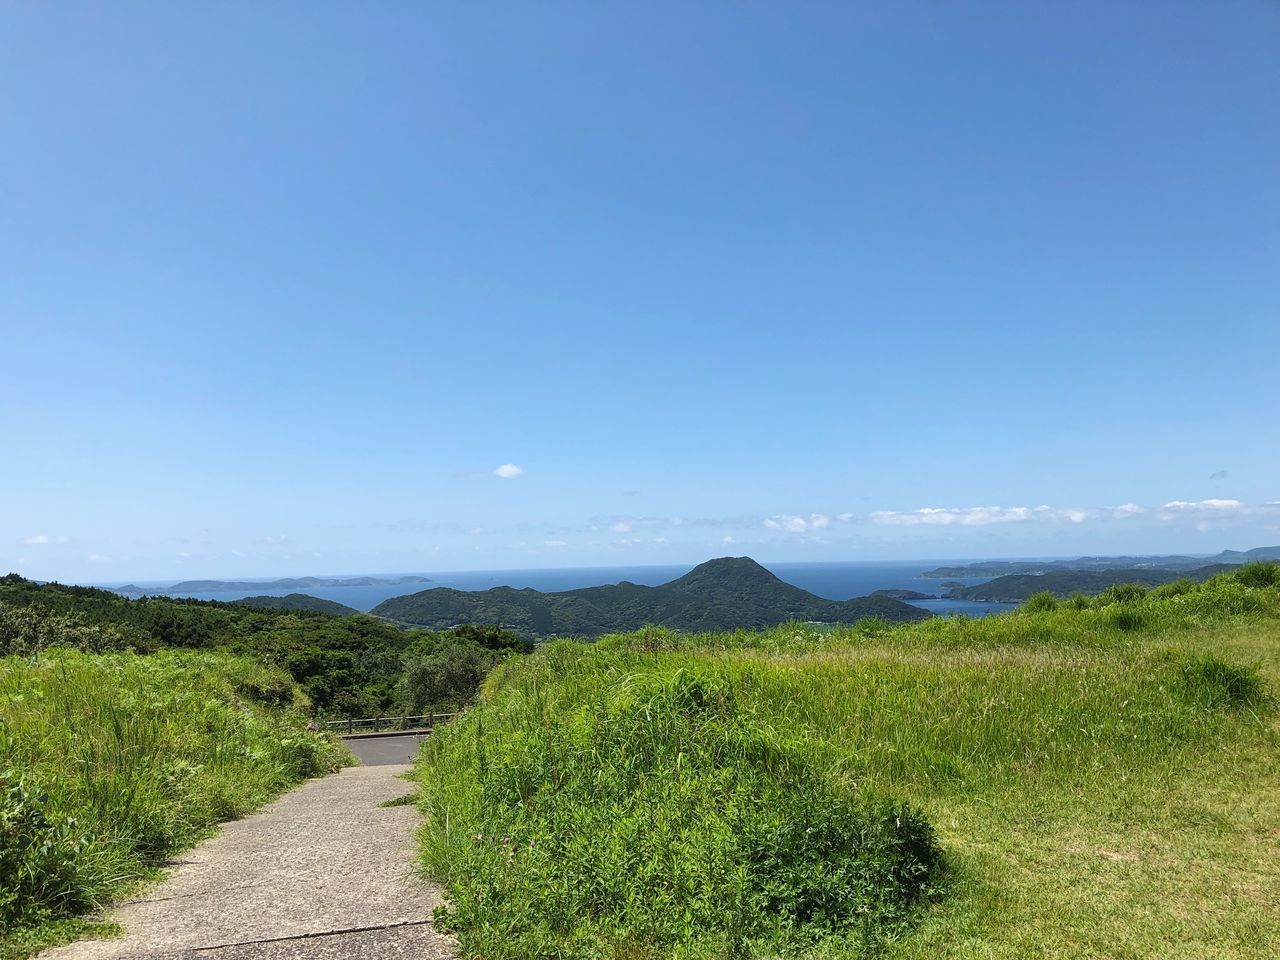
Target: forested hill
{"x":1062,"y":583}
{"x":723,"y":594}
{"x":299,"y":601}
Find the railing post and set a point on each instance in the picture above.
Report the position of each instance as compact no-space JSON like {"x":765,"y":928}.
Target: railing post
{"x":431,"y":719}
{"x":350,"y":724}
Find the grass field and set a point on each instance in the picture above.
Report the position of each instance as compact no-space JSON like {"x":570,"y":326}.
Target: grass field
{"x":111,"y":762}
{"x":1084,"y":778}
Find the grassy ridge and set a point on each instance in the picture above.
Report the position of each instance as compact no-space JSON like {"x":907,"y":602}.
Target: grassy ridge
{"x":110,"y":762}
{"x":1101,"y":776}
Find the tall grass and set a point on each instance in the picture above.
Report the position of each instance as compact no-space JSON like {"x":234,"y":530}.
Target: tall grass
{"x":603,"y":801}
{"x":109,"y":763}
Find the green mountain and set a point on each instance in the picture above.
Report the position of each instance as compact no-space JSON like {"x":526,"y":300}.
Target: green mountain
{"x":299,"y":601}
{"x":1016,"y":588}
{"x":722,"y":594}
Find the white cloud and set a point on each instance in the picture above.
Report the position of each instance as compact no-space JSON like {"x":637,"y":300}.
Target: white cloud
{"x":794,"y":523}
{"x":508,"y":471}
{"x":844,"y":517}
{"x":1196,"y":505}
{"x":98,"y":558}
{"x":554,"y":543}
{"x":948,"y":516}
{"x":41,"y":539}
{"x":623,"y":526}
{"x":728,"y":540}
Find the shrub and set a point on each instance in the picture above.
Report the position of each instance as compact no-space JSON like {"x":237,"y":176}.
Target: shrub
{"x":40,"y":854}
{"x":447,"y":678}
{"x":1077,"y":601}
{"x":1177,"y":588}
{"x":657,"y":816}
{"x":1122,"y":593}
{"x":1044,"y":600}
{"x":1265,"y":573}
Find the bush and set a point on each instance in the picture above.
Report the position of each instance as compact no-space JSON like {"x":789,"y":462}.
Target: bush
{"x":1122,"y":593}
{"x":662,"y":816}
{"x":447,"y":678}
{"x":1044,"y":600}
{"x":1265,"y":573}
{"x":1177,"y":588}
{"x":40,"y":855}
{"x":1077,"y":601}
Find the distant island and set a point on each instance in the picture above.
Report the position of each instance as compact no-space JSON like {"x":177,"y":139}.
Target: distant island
{"x":1016,"y":588}
{"x":299,"y":601}
{"x":1176,"y":563}
{"x":724,"y":594}
{"x":285,"y":583}
{"x":904,"y":594}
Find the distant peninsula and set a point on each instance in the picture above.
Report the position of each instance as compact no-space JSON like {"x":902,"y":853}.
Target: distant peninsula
{"x":1016,"y":588}
{"x":286,"y":583}
{"x":724,"y":594}
{"x":1175,"y":563}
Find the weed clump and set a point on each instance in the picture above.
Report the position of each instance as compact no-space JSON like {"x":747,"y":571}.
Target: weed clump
{"x":1265,"y":573}
{"x":662,"y":814}
{"x":1037,"y":602}
{"x":1214,"y":683}
{"x":1121,"y":593}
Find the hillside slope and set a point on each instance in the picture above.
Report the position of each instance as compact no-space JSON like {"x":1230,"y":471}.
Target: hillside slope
{"x":299,"y":601}
{"x":1102,"y":780}
{"x":724,"y":594}
{"x":1061,"y":583}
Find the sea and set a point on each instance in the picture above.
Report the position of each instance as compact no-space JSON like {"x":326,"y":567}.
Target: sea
{"x":833,"y":580}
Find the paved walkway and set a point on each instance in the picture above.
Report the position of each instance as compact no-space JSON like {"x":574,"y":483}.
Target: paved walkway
{"x":321,"y":872}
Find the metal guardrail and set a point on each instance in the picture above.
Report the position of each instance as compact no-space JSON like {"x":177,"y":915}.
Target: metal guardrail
{"x":377,"y":724}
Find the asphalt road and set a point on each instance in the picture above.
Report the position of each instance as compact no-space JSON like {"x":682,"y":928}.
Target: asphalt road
{"x":377,"y":751}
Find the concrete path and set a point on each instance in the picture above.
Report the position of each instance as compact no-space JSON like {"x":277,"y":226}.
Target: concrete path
{"x":321,"y":872}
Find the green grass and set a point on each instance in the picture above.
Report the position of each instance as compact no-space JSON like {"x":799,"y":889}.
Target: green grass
{"x":1101,"y":777}
{"x":111,"y":762}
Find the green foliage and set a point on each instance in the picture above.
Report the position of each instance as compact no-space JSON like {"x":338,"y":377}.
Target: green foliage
{"x":109,"y":763}
{"x":765,"y":794}
{"x":1121,"y":593}
{"x":723,"y":594}
{"x":347,"y":665}
{"x":1044,"y":600}
{"x":1215,"y":683}
{"x":448,"y":677}
{"x":1263,"y":573}
{"x":662,"y":816}
{"x":1016,"y":588}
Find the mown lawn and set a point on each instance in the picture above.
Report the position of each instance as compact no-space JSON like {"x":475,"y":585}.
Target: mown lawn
{"x":1102,"y":777}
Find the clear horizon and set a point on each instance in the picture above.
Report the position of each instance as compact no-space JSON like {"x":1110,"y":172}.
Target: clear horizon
{"x":460,"y":288}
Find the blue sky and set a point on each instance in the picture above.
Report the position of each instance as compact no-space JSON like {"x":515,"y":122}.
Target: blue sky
{"x":283,"y":285}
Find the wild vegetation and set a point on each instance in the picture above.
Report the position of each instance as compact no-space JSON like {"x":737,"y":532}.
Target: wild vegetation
{"x":351,"y":665}
{"x":724,"y":594}
{"x":111,"y":762}
{"x":1091,"y":777}
{"x":1016,"y":588}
